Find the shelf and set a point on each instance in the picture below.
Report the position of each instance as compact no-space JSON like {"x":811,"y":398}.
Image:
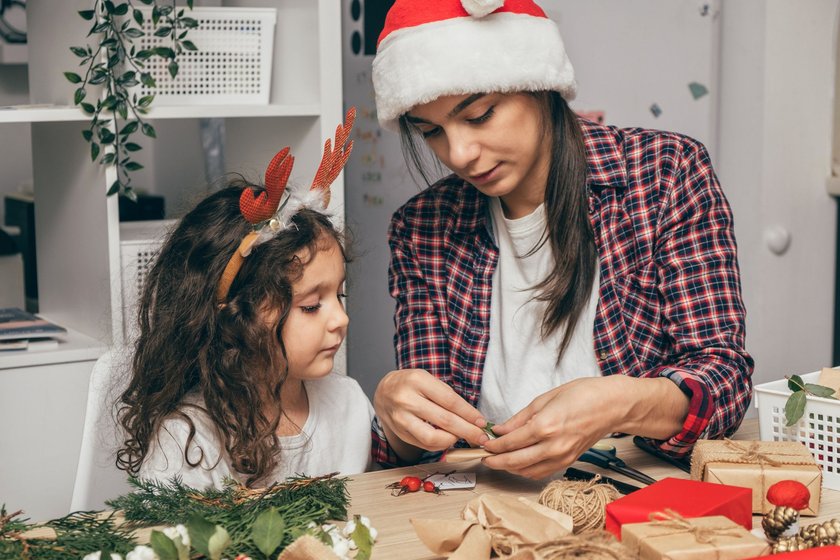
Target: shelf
{"x":76,"y":347}
{"x":57,"y":113}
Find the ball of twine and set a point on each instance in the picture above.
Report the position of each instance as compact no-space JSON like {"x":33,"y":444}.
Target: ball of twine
{"x":584,"y":502}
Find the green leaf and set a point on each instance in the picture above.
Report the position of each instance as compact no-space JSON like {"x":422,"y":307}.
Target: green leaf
{"x":100,"y":27}
{"x":87,"y":14}
{"x":87,"y":134}
{"x":795,"y":383}
{"x":268,"y":530}
{"x":133,"y":166}
{"x":819,"y":390}
{"x":87,"y":108}
{"x":81,"y":52}
{"x":164,"y":52}
{"x":121,"y":10}
{"x":795,"y":407}
{"x":363,"y":539}
{"x":106,"y":136}
{"x":189,"y":45}
{"x":200,"y":531}
{"x":165,"y":10}
{"x":163,"y":546}
{"x":173,"y":68}
{"x":189,"y":23}
{"x":132,"y":147}
{"x":149,"y":130}
{"x":115,"y":188}
{"x":219,"y":541}
{"x":130,"y":194}
{"x":155,"y":15}
{"x":133,"y":33}
{"x":147,"y":80}
{"x":163,"y":31}
{"x":72,"y":77}
{"x":138,"y":16}
{"x":190,"y":4}
{"x":122,"y":109}
{"x":130,"y":128}
{"x":94,"y":150}
{"x":78,"y":95}
{"x":108,"y":158}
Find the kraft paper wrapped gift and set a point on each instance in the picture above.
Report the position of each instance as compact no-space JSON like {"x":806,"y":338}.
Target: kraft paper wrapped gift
{"x":689,"y":498}
{"x":820,"y":553}
{"x":670,"y":536}
{"x":758,"y":465}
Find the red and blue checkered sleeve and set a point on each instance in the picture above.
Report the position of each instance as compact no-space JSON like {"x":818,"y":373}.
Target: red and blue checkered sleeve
{"x":703,"y":311}
{"x":420,"y":340}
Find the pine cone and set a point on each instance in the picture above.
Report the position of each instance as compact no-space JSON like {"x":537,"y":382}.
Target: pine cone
{"x":778,"y":520}
{"x":822,"y":534}
{"x":790,"y":544}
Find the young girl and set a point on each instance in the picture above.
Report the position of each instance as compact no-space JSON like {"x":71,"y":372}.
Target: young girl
{"x":240,"y":320}
{"x":568,"y":280}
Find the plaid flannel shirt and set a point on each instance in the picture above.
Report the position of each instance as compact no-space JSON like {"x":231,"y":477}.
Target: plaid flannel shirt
{"x":669,"y":300}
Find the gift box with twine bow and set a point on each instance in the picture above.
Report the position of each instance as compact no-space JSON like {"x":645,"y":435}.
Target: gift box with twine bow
{"x":758,"y":465}
{"x":671,"y":536}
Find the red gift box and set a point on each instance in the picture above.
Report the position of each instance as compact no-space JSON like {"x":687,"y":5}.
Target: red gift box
{"x":820,"y":553}
{"x":689,"y":498}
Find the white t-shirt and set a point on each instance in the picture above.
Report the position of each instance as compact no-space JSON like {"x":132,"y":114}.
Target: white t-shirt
{"x":335,"y":437}
{"x":520,"y":364}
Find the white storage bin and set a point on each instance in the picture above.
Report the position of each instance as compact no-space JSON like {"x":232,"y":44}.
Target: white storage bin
{"x":140,"y":243}
{"x":818,"y":428}
{"x":231,"y":66}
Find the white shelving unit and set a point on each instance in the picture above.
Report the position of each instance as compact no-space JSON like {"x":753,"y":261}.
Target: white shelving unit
{"x":78,"y":233}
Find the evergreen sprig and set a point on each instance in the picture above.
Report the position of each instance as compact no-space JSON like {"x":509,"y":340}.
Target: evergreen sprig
{"x":298,"y":501}
{"x":116,"y":65}
{"x":795,"y":404}
{"x":76,"y":535}
{"x":257,"y":523}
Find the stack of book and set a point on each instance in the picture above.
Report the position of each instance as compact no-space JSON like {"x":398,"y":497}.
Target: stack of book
{"x":21,"y":330}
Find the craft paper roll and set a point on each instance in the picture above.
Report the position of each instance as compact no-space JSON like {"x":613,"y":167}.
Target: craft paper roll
{"x":465,"y":454}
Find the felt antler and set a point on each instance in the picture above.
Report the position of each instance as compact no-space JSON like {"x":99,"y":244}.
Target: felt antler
{"x":258,"y":208}
{"x":333,"y":160}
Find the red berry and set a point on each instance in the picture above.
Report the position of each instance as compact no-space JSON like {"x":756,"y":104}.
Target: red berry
{"x":429,"y":486}
{"x":411,"y":483}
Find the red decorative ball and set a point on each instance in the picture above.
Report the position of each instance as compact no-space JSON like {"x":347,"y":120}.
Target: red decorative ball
{"x":789,"y":493}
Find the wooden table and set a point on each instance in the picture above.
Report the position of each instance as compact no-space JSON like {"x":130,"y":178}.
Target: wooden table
{"x":390,"y":515}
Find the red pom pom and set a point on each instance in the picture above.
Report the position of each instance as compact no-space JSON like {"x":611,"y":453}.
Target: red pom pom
{"x":789,"y":493}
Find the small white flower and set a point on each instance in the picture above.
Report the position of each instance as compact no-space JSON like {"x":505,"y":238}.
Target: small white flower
{"x":349,"y":528}
{"x":178,"y":532}
{"x":341,"y":546}
{"x":141,"y":552}
{"x":92,"y":556}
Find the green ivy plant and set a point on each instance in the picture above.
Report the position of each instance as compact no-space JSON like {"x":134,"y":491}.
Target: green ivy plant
{"x":116,"y":65}
{"x":795,"y":405}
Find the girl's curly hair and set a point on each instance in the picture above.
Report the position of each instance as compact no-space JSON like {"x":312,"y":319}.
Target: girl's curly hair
{"x":227,"y":354}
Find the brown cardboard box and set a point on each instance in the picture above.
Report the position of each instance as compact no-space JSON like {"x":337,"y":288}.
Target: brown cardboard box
{"x":676,"y":538}
{"x":758,"y":465}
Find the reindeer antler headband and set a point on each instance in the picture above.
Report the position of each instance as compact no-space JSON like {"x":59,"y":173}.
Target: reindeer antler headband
{"x":270,"y":212}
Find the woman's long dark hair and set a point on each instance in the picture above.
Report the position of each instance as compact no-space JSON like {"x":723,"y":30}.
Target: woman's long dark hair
{"x":568,"y":287}
{"x":227,"y":354}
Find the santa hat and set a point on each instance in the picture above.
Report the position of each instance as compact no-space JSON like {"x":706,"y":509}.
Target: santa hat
{"x":430,"y":48}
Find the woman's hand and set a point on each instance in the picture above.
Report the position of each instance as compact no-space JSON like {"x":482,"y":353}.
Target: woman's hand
{"x":558,"y":426}
{"x":420,"y":412}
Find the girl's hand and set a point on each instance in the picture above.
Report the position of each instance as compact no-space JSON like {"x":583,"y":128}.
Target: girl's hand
{"x":420,"y":412}
{"x":558,"y":426}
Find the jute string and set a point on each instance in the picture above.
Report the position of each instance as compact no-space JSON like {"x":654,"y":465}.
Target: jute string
{"x":593,"y":545}
{"x":670,"y":519}
{"x":585,"y":502}
{"x":751,"y":455}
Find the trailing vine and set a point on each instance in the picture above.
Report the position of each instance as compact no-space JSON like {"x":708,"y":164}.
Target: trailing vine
{"x":116,"y":65}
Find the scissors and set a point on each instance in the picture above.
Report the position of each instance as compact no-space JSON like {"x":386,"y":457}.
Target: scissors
{"x":604,"y":456}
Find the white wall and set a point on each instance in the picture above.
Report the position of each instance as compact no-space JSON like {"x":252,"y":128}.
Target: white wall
{"x":778,"y":68}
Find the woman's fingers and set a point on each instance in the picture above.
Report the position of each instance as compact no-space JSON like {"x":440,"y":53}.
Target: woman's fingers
{"x":424,"y":411}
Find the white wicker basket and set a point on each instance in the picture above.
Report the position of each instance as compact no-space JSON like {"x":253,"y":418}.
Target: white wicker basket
{"x":819,"y":428}
{"x":140,"y":243}
{"x":232,"y":63}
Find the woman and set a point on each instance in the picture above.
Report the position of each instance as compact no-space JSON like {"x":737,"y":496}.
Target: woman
{"x":569,"y":280}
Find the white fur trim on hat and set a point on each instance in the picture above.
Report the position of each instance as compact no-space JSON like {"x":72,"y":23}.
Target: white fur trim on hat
{"x":502,"y":52}
{"x":480,"y":8}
